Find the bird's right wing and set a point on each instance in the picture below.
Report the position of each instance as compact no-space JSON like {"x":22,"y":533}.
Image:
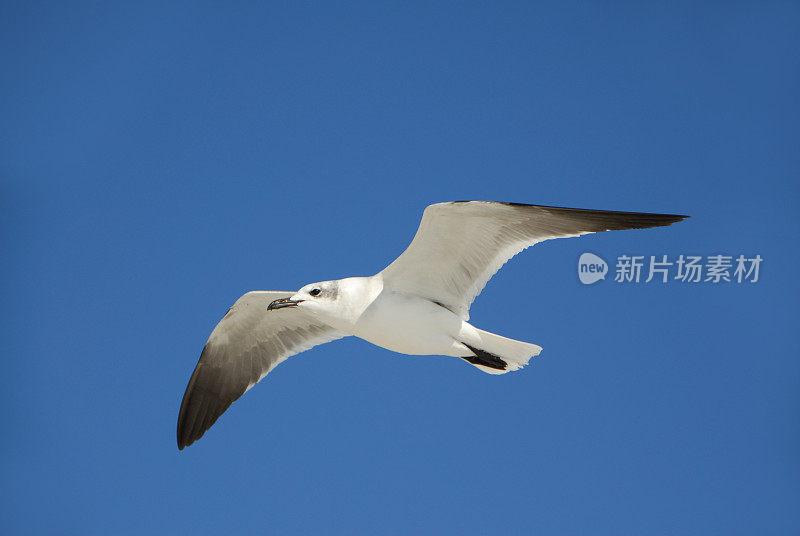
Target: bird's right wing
{"x":243,"y":348}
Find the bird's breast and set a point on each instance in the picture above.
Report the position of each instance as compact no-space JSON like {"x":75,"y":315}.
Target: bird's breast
{"x":407,"y":324}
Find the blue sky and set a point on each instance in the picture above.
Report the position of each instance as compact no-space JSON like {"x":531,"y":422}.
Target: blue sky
{"x":159,"y":161}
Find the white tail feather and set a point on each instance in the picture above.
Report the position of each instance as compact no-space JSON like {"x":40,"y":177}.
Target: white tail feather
{"x":515,"y":353}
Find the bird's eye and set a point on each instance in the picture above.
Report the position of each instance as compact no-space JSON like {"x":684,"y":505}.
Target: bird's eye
{"x":314,"y":292}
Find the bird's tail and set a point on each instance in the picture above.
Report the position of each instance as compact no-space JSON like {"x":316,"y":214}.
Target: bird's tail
{"x":495,"y":354}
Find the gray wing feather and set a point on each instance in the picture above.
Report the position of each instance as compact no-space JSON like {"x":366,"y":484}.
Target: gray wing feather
{"x":243,"y":348}
{"x":460,"y":245}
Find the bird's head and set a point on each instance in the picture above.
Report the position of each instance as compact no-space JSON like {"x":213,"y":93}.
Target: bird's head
{"x":317,"y":297}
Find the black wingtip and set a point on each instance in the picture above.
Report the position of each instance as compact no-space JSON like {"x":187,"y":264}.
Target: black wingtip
{"x":200,"y":407}
{"x":184,"y":429}
{"x":601,"y":220}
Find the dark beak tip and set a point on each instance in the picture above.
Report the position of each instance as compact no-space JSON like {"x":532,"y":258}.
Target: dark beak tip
{"x":281,"y":303}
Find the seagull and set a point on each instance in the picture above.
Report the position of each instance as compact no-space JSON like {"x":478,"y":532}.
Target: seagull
{"x":418,"y":305}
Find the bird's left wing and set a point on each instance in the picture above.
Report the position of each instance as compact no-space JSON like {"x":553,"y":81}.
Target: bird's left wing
{"x":460,"y":245}
{"x":243,"y":348}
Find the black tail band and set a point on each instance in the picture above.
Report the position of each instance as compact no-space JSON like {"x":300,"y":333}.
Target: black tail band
{"x":484,"y":358}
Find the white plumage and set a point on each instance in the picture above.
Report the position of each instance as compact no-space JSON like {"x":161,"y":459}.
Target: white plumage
{"x":418,"y":305}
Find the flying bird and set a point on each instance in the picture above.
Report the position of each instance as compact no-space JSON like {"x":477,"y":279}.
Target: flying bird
{"x":418,"y":305}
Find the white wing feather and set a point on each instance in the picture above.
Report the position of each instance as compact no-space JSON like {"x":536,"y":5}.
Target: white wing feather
{"x":243,"y":348}
{"x":460,"y":245}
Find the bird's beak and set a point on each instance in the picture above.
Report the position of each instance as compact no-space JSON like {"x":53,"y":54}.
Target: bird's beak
{"x":283,"y":302}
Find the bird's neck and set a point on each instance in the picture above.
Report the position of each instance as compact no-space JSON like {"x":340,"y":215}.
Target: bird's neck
{"x":356,"y":294}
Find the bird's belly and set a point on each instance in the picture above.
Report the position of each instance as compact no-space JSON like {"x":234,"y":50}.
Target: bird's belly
{"x":409,"y":325}
{"x":405,"y":341}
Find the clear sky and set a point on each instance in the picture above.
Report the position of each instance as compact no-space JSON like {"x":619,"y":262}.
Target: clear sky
{"x":159,"y":161}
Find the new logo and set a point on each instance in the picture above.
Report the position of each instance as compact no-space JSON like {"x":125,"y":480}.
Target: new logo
{"x":591,"y":268}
